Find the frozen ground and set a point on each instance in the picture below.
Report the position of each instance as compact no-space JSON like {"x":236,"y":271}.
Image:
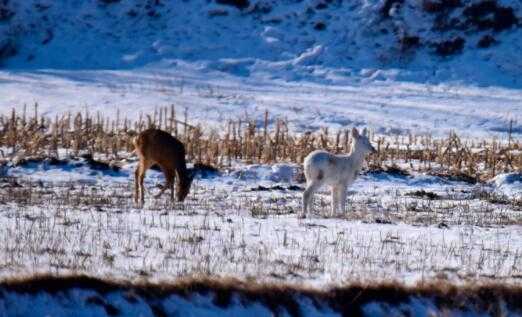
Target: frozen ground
{"x":317,"y":64}
{"x":242,"y":223}
{"x":408,"y":229}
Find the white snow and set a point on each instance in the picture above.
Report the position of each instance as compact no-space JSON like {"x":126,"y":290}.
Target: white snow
{"x":357,"y":36}
{"x":231,"y":227}
{"x":133,"y":58}
{"x":509,"y":184}
{"x":217,"y":63}
{"x":91,"y":302}
{"x":213,"y":97}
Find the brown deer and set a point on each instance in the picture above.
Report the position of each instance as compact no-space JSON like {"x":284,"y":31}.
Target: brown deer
{"x":155,"y":146}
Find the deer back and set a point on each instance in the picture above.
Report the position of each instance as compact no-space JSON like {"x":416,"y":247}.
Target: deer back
{"x":159,"y":147}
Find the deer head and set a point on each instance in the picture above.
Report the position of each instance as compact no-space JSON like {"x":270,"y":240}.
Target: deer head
{"x":361,"y":141}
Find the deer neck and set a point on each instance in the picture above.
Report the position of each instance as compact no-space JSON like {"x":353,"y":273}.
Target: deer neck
{"x":182,"y":172}
{"x":357,"y":156}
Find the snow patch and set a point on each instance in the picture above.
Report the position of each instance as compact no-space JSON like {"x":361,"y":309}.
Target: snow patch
{"x":508,"y":184}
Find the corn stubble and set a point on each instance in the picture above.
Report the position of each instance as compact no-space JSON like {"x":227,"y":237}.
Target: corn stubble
{"x":28,"y":134}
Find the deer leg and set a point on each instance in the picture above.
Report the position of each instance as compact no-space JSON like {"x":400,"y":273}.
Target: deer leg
{"x":162,"y":190}
{"x":342,"y":197}
{"x":142,"y":169}
{"x":136,"y":184}
{"x":169,"y":184}
{"x":311,"y":187}
{"x":335,"y":199}
{"x":172,"y":188}
{"x":162,"y":187}
{"x":141,"y":180}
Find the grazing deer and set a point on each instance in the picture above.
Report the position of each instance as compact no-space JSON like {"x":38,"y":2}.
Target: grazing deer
{"x":338,"y":171}
{"x":154,"y":146}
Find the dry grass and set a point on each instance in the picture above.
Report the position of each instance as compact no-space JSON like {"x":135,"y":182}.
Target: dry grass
{"x":464,"y":206}
{"x":216,"y":232}
{"x":27,"y":134}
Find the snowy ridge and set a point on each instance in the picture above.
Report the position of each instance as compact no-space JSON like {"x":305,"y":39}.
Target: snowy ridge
{"x":475,"y":42}
{"x":213,"y":97}
{"x":393,"y":66}
{"x":80,"y":295}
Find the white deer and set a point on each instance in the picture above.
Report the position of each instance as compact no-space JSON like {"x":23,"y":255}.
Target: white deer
{"x":338,"y":171}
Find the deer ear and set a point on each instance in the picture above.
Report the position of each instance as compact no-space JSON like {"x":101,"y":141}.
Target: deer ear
{"x":355,"y":133}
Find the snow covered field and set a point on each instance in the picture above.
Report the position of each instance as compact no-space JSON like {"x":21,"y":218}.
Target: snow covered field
{"x":243,"y":223}
{"x":376,"y":63}
{"x":396,"y":67}
{"x":213,"y":97}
